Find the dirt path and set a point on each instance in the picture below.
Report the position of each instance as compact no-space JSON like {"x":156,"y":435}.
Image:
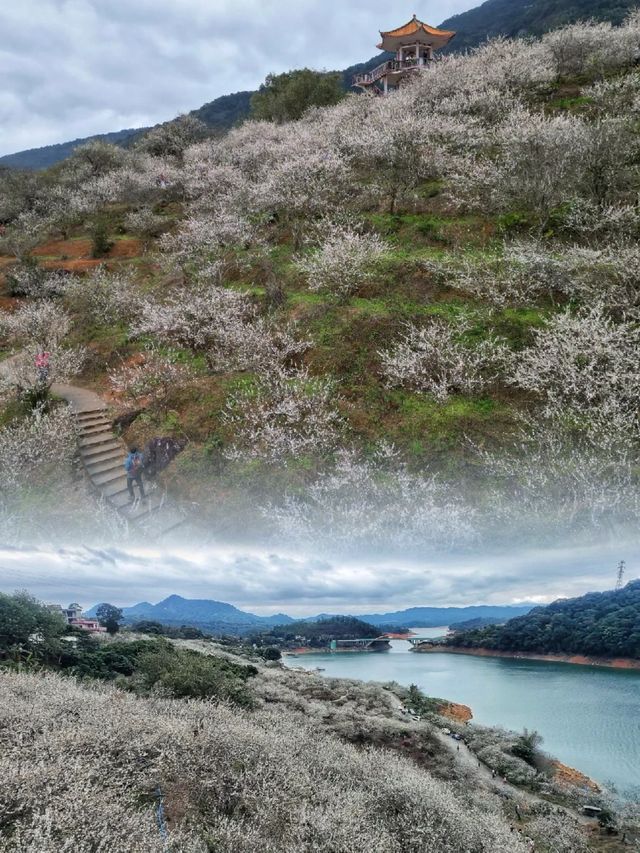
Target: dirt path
{"x":467,"y":759}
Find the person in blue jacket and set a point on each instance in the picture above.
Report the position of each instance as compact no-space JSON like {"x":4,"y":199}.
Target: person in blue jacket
{"x":133,"y":465}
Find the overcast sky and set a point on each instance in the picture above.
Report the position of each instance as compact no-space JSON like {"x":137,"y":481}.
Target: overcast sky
{"x":73,"y":68}
{"x":267,"y":582}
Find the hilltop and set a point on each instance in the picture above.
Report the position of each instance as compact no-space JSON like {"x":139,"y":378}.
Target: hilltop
{"x":599,"y":624}
{"x":510,"y":18}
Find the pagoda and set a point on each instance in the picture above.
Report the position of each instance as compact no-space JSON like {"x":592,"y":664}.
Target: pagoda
{"x":413,"y":46}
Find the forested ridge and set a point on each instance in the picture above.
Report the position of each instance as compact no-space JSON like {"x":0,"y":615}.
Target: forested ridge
{"x":518,"y":18}
{"x":603,"y":624}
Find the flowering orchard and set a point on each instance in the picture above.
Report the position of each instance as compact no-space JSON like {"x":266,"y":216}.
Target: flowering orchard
{"x":453,"y":268}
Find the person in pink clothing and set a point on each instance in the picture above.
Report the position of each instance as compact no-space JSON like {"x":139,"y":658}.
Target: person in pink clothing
{"x":43,"y":364}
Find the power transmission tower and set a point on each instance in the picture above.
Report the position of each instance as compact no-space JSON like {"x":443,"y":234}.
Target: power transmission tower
{"x":621,"y":568}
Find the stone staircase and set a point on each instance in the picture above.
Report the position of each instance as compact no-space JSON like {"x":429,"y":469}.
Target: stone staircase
{"x":103,"y":456}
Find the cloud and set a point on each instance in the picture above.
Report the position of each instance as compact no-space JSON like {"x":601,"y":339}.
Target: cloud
{"x":266,"y":582}
{"x":72,"y":68}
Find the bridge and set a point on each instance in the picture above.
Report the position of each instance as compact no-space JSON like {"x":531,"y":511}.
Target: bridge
{"x":372,"y":644}
{"x":416,"y":641}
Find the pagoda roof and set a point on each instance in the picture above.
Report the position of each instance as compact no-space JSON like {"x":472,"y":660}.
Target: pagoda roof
{"x":412,"y":32}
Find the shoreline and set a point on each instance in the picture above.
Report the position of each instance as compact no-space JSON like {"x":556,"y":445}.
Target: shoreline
{"x":574,"y":660}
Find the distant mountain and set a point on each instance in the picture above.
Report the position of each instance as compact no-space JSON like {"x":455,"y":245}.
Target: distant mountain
{"x":213,"y":616}
{"x":225,"y":111}
{"x":49,"y":155}
{"x":434,"y":617}
{"x":478,"y":622}
{"x":495,"y":17}
{"x":601,"y":624}
{"x":218,"y":616}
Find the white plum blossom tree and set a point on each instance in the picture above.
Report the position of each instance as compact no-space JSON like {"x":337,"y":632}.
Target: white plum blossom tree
{"x":436,"y":359}
{"x":43,"y":323}
{"x":585,"y":366}
{"x":149,"y":378}
{"x":344,"y":261}
{"x":284,"y":416}
{"x":103,"y":297}
{"x":223,"y":325}
{"x":363,"y":502}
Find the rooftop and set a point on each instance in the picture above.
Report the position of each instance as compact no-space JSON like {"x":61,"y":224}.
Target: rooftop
{"x":414,"y":30}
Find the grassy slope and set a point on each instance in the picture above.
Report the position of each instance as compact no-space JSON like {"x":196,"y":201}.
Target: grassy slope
{"x":346,"y":340}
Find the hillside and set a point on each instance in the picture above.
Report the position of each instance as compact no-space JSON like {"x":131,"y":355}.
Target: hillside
{"x":49,"y":155}
{"x":518,"y":18}
{"x":318,"y":633}
{"x":181,"y":747}
{"x":511,"y":18}
{"x":288,"y":775}
{"x":421,"y":337}
{"x":603,"y":624}
{"x":477,"y":622}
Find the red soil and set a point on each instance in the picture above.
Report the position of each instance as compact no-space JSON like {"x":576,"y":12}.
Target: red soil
{"x":78,"y":265}
{"x":76,"y":255}
{"x":613,"y":663}
{"x":65,"y":248}
{"x":9,"y":303}
{"x":130,"y":247}
{"x":454,"y":711}
{"x":569,"y":776}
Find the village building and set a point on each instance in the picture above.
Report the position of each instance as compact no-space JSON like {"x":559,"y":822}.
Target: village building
{"x":413,"y":45}
{"x":73,"y":616}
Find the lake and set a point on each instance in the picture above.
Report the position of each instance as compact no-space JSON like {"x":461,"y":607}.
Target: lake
{"x":588,"y":716}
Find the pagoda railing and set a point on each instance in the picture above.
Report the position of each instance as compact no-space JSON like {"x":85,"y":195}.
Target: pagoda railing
{"x":387,"y":67}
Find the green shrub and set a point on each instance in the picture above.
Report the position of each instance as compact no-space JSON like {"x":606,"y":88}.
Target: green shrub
{"x":102,"y":245}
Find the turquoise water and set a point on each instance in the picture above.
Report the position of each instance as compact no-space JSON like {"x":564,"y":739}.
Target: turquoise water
{"x":589,"y":717}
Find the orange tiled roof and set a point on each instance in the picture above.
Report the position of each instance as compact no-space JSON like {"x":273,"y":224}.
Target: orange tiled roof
{"x":415,"y":26}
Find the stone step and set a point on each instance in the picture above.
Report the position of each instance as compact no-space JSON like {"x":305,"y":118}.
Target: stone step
{"x":120,"y":500}
{"x":113,"y":488}
{"x":94,"y":451}
{"x":114,"y":455}
{"x":95,"y":429}
{"x":142,"y":509}
{"x":115,"y":472}
{"x":87,"y":414}
{"x":114,"y":460}
{"x":93,"y":440}
{"x":96,"y":421}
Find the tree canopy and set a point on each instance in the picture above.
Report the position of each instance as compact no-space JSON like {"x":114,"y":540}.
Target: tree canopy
{"x":286,"y":97}
{"x":599,"y":623}
{"x":110,"y":617}
{"x":27,"y":627}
